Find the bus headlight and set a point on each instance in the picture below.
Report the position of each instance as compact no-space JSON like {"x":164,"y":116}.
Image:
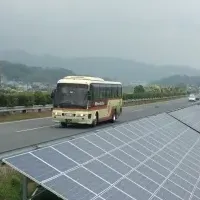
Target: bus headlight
{"x":80,"y":115}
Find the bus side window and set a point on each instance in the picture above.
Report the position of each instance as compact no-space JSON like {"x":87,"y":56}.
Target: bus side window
{"x":94,"y":91}
{"x":119,"y":91}
{"x":102,"y":91}
{"x":108,"y":91}
{"x":97,"y":92}
{"x":105,"y":91}
{"x":112,"y":91}
{"x":115,"y":91}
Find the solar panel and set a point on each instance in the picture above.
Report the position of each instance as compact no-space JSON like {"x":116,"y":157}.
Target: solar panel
{"x":189,"y":116}
{"x":154,"y":158}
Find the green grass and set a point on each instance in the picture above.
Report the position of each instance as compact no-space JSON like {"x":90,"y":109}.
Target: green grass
{"x":22,"y":116}
{"x":149,"y":101}
{"x":10,"y":184}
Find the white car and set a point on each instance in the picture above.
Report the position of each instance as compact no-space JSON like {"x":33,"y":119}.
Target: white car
{"x":192,"y":97}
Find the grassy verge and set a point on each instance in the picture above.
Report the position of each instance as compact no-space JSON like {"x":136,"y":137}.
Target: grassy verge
{"x":22,"y":116}
{"x":32,"y":115}
{"x":150,"y":101}
{"x":10,"y":184}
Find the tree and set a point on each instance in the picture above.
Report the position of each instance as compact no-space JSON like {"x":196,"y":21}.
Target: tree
{"x":139,"y":89}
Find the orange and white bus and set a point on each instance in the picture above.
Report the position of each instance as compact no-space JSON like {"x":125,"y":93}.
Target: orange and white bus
{"x":86,"y":100}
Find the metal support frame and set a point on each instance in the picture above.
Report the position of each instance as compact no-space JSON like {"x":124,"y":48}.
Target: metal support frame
{"x":25,"y":188}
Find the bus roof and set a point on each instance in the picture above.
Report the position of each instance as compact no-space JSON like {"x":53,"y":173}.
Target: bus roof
{"x":85,"y":80}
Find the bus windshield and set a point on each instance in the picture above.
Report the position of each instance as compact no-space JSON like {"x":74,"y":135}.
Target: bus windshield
{"x":71,"y":95}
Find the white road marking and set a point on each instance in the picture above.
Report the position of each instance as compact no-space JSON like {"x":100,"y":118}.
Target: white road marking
{"x":25,"y":120}
{"x":138,"y":110}
{"x":31,"y":129}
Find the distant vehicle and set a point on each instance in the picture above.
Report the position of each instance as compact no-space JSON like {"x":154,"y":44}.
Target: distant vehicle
{"x":197,"y":97}
{"x":86,"y":100}
{"x":192,"y":97}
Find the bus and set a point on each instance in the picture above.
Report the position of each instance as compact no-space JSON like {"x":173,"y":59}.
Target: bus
{"x":86,"y":100}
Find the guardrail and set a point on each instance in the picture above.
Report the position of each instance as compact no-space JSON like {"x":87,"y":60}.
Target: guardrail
{"x":41,"y":108}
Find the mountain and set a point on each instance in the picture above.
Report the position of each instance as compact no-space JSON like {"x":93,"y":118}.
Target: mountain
{"x":178,"y":79}
{"x":27,"y":74}
{"x":114,"y":68}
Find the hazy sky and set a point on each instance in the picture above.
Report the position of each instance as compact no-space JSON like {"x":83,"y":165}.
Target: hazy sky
{"x":156,"y":31}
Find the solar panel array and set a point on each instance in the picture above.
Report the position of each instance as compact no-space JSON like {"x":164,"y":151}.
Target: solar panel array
{"x":189,"y":116}
{"x":149,"y":159}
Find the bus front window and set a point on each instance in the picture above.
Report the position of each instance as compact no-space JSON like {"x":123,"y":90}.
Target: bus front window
{"x":71,"y":95}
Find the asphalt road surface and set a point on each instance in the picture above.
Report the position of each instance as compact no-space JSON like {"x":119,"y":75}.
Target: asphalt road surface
{"x":24,"y":133}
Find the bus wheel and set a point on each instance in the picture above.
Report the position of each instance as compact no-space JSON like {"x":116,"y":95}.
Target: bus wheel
{"x":114,"y":117}
{"x":95,"y":121}
{"x":63,"y":124}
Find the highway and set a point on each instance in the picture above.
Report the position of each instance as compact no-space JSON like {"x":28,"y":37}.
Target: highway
{"x":19,"y":134}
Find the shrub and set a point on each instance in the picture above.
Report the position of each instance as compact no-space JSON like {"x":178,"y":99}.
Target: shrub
{"x":12,"y":100}
{"x":26,"y":99}
{"x":43,"y":98}
{"x":40,"y":98}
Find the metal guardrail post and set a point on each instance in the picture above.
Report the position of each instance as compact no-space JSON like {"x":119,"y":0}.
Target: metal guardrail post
{"x":24,"y":188}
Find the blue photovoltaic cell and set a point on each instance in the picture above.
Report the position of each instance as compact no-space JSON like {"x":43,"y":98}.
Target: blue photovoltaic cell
{"x":195,"y":198}
{"x":156,"y":198}
{"x":73,"y":152}
{"x":69,"y":189}
{"x":89,"y":180}
{"x":116,"y":164}
{"x":127,"y":133}
{"x":88,"y":147}
{"x":148,"y":145}
{"x":156,"y":158}
{"x":125,"y":158}
{"x":100,"y":142}
{"x":154,"y":142}
{"x":134,"y":130}
{"x":180,"y":181}
{"x":141,"y":148}
{"x":140,"y":128}
{"x":189,"y":116}
{"x":166,"y":195}
{"x":151,"y":174}
{"x":119,"y":135}
{"x":163,"y":162}
{"x":33,"y":167}
{"x":115,"y":194}
{"x":133,"y":190}
{"x":103,"y":171}
{"x":143,"y":181}
{"x":147,"y":124}
{"x":55,"y":159}
{"x":172,"y":187}
{"x":162,"y":170}
{"x":134,"y":153}
{"x":110,"y":138}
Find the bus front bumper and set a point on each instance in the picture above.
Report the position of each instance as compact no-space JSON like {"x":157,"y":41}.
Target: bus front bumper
{"x":74,"y":119}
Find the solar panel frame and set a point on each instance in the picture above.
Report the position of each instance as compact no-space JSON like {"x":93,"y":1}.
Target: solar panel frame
{"x":190,"y":119}
{"x":129,"y":147}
